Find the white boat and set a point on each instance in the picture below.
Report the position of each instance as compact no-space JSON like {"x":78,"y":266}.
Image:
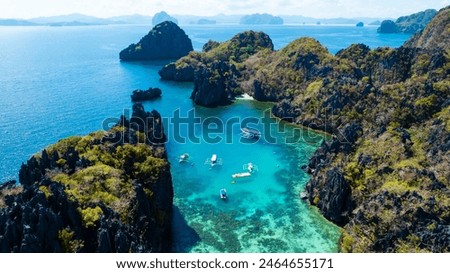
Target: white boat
{"x":183,"y":158}
{"x":250,"y":133}
{"x":241,"y":175}
{"x":214,"y":160}
{"x":223,"y":194}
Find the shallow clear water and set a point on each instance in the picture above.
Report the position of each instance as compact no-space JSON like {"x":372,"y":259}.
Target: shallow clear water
{"x":58,"y":82}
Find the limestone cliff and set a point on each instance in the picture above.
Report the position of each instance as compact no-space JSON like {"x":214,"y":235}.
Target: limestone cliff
{"x":110,"y":191}
{"x":165,"y":41}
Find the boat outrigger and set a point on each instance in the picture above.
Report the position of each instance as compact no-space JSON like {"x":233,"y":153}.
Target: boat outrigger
{"x":223,"y":194}
{"x":214,"y":160}
{"x":250,"y":133}
{"x":250,"y":167}
{"x":248,"y":170}
{"x":183,"y":158}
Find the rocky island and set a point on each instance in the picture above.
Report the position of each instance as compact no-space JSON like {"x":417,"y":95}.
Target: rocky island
{"x":110,"y":191}
{"x":165,"y":41}
{"x":384,"y":175}
{"x":213,"y":71}
{"x":261,"y":19}
{"x":408,"y":24}
{"x":149,"y":94}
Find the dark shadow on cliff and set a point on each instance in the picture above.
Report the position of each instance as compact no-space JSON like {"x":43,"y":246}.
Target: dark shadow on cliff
{"x":183,"y":236}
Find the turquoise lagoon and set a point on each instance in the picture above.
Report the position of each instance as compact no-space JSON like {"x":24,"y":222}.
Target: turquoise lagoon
{"x":58,"y":82}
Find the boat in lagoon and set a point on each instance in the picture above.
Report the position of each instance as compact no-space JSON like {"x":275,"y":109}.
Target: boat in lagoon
{"x":241,"y":175}
{"x":183,"y":158}
{"x":223,"y":194}
{"x":214,"y":160}
{"x":250,"y":133}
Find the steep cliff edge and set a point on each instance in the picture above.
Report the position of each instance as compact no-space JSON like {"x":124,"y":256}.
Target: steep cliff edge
{"x":106,"y":192}
{"x":384,"y":176}
{"x":215,"y":70}
{"x":435,"y":35}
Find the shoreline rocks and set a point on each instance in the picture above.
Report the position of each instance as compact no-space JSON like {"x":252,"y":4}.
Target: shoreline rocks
{"x":106,"y":192}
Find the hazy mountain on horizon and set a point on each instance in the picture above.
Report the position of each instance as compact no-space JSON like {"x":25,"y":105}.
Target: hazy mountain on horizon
{"x":16,"y":22}
{"x":82,"y":19}
{"x":132,"y":19}
{"x":74,"y":17}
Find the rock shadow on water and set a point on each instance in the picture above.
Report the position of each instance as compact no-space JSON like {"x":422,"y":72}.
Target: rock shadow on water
{"x":184,"y":237}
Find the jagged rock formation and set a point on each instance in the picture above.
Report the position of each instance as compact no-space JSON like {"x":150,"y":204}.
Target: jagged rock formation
{"x":408,"y":24}
{"x":213,"y":71}
{"x":149,"y":94}
{"x":165,"y":41}
{"x":163,"y":16}
{"x":106,"y":192}
{"x":384,"y":174}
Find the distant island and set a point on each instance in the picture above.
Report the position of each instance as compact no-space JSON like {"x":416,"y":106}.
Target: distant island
{"x":16,"y":22}
{"x":260,"y":19}
{"x":408,"y":24}
{"x":360,"y":24}
{"x":375,"y":23}
{"x":77,"y":19}
{"x":206,"y":22}
{"x":162,"y":16}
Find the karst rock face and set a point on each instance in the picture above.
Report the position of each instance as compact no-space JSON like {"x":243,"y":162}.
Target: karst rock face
{"x":165,"y":41}
{"x":105,"y":192}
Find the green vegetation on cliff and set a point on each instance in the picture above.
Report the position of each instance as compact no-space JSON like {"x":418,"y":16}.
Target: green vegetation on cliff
{"x":110,"y":191}
{"x":408,"y":24}
{"x":384,"y":176}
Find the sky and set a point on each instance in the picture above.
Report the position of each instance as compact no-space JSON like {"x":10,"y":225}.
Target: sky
{"x":312,"y":8}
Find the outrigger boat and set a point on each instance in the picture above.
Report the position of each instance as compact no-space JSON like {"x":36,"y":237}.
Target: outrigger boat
{"x":183,"y":158}
{"x":214,"y":160}
{"x":250,"y":167}
{"x":250,"y":133}
{"x":248,"y":170}
{"x":241,"y":175}
{"x":223,"y":194}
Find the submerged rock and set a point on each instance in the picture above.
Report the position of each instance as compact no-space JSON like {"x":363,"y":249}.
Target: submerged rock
{"x":165,"y":41}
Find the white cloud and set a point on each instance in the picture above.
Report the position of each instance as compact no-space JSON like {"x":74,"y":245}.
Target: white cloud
{"x":312,"y":8}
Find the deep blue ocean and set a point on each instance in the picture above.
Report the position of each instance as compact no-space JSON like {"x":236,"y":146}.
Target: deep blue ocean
{"x":57,"y":82}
